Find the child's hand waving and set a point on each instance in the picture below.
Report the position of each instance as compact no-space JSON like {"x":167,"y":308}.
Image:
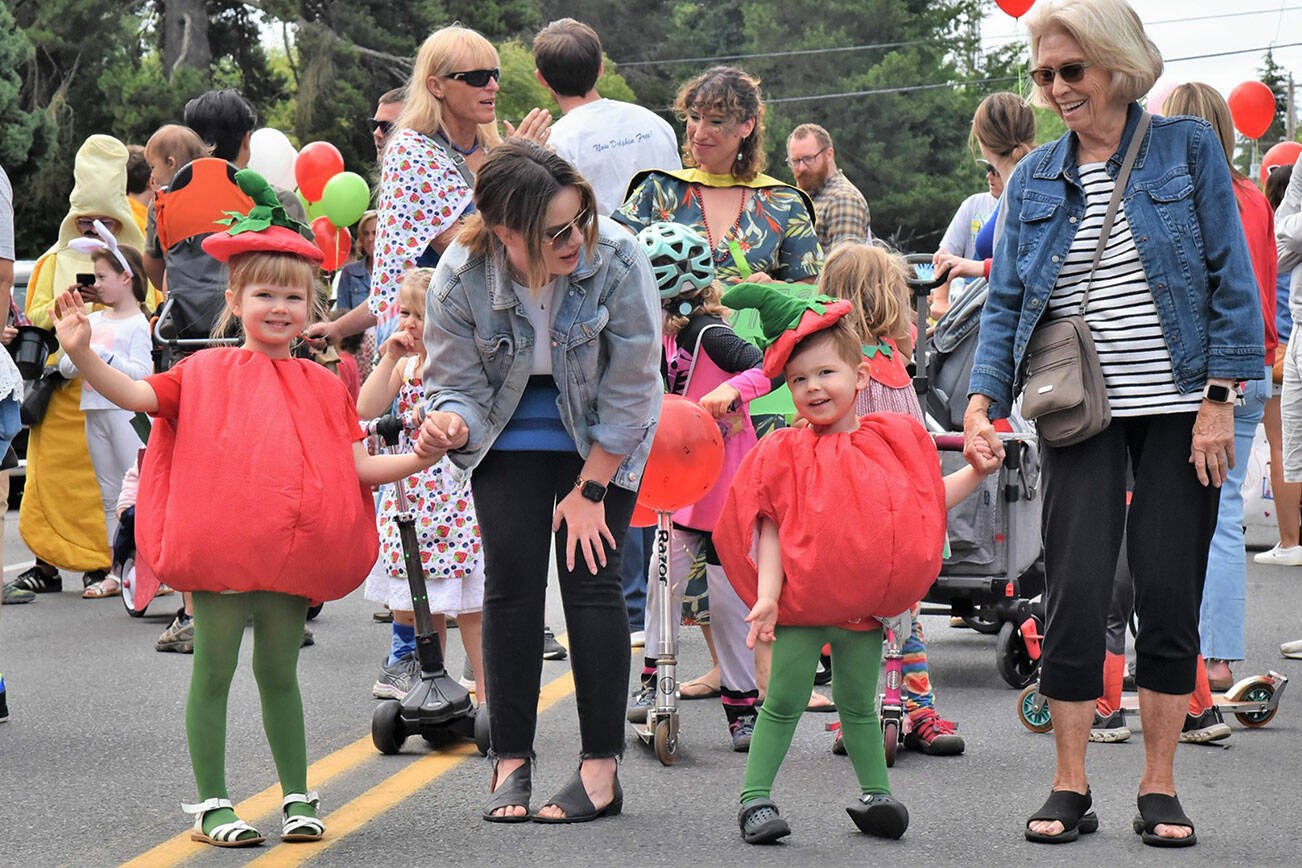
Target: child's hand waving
{"x":71,"y":322}
{"x":763,"y":618}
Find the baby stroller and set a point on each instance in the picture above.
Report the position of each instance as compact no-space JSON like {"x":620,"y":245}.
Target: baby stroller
{"x":996,"y":566}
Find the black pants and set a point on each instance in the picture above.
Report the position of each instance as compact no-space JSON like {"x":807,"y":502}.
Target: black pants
{"x":515,"y":496}
{"x":1167,"y":532}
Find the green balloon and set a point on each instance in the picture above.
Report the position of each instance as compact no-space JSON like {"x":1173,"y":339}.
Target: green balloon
{"x":345,"y":198}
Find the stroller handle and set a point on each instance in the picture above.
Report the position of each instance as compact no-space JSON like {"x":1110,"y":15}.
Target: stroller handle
{"x":201,"y":343}
{"x":915,"y":281}
{"x":954,"y":442}
{"x":390,"y":425}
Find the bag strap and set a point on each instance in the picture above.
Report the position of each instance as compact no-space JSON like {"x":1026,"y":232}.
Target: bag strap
{"x":1117,"y":192}
{"x":696,"y":353}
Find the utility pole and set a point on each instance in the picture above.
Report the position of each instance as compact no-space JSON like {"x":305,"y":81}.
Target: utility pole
{"x":1290,"y":122}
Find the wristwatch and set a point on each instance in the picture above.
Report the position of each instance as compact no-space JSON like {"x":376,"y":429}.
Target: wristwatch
{"x":1218,"y":394}
{"x":593,"y":491}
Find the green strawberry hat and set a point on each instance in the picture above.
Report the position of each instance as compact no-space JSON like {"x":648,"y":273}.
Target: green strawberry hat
{"x":786,"y":320}
{"x":265,"y":229}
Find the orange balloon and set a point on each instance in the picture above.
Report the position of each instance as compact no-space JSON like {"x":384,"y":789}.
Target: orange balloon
{"x":642,"y":517}
{"x":686,"y":456}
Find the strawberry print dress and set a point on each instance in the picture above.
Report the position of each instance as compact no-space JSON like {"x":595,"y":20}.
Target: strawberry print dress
{"x":446,"y":529}
{"x":421,"y":195}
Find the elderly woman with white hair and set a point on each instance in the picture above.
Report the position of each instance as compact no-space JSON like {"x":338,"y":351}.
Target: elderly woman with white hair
{"x":1170,"y":302}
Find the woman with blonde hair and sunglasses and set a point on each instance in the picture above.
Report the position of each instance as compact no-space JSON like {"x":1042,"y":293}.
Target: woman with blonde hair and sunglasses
{"x":447,"y":127}
{"x":1169,"y":300}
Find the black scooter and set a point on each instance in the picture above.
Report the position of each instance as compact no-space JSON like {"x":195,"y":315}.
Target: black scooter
{"x":438,"y":708}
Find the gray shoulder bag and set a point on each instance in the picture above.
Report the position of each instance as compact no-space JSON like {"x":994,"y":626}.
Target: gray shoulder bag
{"x":1063,"y":388}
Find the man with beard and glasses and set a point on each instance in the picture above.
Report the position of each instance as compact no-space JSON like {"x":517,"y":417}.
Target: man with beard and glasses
{"x":840,"y":210}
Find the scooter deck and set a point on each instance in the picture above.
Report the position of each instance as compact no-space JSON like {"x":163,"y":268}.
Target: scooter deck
{"x":1130,"y":701}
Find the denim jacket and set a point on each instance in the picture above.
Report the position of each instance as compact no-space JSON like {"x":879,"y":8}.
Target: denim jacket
{"x":605,"y":339}
{"x":1182,"y":212}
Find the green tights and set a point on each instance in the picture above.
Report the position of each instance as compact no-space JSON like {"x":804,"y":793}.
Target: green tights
{"x":219,"y":621}
{"x":795,"y":657}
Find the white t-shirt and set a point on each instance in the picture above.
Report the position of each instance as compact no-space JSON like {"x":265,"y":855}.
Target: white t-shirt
{"x":541,"y":310}
{"x":960,"y":237}
{"x":122,"y":343}
{"x":610,"y":141}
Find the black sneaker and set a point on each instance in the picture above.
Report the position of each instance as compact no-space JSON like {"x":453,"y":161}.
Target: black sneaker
{"x":38,"y":581}
{"x":1206,"y":727}
{"x":1110,"y":729}
{"x":552,"y":650}
{"x":741,"y":730}
{"x":643,"y":699}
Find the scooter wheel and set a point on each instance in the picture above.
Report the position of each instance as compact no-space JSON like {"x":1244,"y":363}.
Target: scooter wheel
{"x":666,"y":742}
{"x":1034,"y":719}
{"x":1011,"y":659}
{"x":313,"y":611}
{"x":387,"y":730}
{"x":129,"y":589}
{"x":1257,"y":691}
{"x":482,"y":738}
{"x":890,"y":740}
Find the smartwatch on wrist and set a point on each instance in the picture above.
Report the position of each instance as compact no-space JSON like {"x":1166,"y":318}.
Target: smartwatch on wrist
{"x":593,"y":491}
{"x":1218,"y":394}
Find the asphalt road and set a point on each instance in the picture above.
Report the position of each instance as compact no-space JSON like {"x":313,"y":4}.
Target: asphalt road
{"x":93,"y":763}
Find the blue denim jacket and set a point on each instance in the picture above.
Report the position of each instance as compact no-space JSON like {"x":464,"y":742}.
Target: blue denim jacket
{"x":1183,"y":214}
{"x":605,"y":341}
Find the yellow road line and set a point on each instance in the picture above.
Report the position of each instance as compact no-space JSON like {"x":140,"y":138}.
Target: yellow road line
{"x":259,"y":809}
{"x":401,"y":786}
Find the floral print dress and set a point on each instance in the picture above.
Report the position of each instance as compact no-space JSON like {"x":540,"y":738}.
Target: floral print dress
{"x":446,"y":530}
{"x":774,"y":232}
{"x":422,"y":193}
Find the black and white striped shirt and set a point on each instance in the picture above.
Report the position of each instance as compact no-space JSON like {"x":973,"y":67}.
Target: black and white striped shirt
{"x":1121,"y":314}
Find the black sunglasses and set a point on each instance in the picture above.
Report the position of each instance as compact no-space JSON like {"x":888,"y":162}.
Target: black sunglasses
{"x":562,"y":236}
{"x":1068,"y":72}
{"x":990,"y":169}
{"x":385,"y":127}
{"x":476,"y":77}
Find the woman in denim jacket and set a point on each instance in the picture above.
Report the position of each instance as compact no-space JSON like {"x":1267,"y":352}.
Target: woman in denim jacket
{"x":1175,"y":316}
{"x":543,"y":343}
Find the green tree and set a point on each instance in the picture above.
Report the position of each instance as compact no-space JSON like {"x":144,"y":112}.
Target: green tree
{"x":27,"y":134}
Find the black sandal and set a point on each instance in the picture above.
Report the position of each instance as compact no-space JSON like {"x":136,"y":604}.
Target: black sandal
{"x":515,"y":789}
{"x":760,"y":822}
{"x":1069,"y":808}
{"x":573,"y":800}
{"x":1159,"y":809}
{"x":38,"y":581}
{"x":880,"y":815}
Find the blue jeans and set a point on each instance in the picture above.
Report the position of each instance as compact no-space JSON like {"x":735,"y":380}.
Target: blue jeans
{"x":10,"y":423}
{"x":638,"y":543}
{"x":1220,"y":624}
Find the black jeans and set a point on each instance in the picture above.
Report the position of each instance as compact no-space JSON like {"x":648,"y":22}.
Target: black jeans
{"x":1167,"y":531}
{"x":515,"y":496}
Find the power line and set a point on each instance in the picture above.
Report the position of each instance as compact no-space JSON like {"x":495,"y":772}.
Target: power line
{"x":903,"y":43}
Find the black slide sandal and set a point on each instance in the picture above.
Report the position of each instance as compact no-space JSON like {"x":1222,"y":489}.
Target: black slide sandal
{"x":515,"y":789}
{"x":1159,"y":809}
{"x":760,"y":822}
{"x":573,"y":800}
{"x":1070,"y":809}
{"x":880,"y":815}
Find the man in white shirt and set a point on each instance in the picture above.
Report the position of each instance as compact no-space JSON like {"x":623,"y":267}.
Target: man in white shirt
{"x":608,"y":141}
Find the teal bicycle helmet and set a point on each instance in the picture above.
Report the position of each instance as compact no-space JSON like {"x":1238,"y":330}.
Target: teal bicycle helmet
{"x":680,"y":260}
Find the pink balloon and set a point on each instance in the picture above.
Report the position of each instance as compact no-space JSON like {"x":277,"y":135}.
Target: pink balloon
{"x":1158,"y":95}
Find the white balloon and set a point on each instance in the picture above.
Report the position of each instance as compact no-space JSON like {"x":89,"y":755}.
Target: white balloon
{"x":272,"y":156}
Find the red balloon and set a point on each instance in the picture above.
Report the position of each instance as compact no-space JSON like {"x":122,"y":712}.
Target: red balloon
{"x":686,"y":456}
{"x":1252,"y":105}
{"x":642,"y":517}
{"x":317,"y":163}
{"x":1015,"y":8}
{"x":1283,"y":154}
{"x":334,"y":242}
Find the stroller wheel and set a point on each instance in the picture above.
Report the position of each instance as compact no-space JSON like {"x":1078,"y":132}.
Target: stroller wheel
{"x":1014,"y":663}
{"x":129,"y":590}
{"x":983,"y":620}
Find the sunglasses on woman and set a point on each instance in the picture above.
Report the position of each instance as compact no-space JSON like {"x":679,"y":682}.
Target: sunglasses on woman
{"x":1068,"y":72}
{"x":476,"y":77}
{"x":989,"y":169}
{"x":562,"y":236}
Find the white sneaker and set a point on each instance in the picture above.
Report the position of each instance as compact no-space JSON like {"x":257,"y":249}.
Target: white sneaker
{"x":1280,"y":556}
{"x":637,"y":639}
{"x":1292,"y":650}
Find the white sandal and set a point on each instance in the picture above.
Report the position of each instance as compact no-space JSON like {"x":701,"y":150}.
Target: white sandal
{"x":225,"y":835}
{"x":296,"y":828}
